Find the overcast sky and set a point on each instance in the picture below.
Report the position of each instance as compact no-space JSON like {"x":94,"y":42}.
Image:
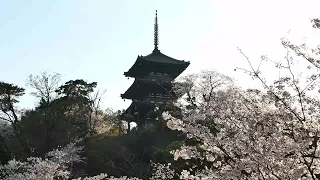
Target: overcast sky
{"x":99,"y":40}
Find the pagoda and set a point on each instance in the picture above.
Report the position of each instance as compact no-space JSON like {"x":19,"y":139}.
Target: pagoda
{"x":152,"y":87}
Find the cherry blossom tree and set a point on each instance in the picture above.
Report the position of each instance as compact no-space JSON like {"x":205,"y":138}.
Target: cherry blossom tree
{"x":56,"y":165}
{"x":198,"y":89}
{"x":271,"y":133}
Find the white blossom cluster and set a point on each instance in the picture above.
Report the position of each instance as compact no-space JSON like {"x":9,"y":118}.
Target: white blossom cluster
{"x":254,"y":139}
{"x":34,"y":168}
{"x":256,"y":135}
{"x":55,"y":166}
{"x":162,"y":171}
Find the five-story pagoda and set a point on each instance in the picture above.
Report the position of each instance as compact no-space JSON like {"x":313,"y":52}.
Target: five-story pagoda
{"x":152,"y":86}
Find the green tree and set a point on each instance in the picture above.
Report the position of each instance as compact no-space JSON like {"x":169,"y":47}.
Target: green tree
{"x":9,"y":95}
{"x":62,"y":115}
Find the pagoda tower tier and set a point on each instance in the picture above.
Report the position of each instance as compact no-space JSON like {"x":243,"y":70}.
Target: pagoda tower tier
{"x":152,"y":86}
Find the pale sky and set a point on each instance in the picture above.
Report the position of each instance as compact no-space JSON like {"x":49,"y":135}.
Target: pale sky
{"x":99,"y":40}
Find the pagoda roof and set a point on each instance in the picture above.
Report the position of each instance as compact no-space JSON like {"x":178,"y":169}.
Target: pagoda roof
{"x":141,"y":107}
{"x":158,"y":57}
{"x":140,"y":87}
{"x":151,"y":63}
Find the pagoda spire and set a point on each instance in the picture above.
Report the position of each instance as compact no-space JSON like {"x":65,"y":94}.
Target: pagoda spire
{"x":156,"y":33}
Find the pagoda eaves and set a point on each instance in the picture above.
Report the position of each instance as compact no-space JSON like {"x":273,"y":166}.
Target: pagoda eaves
{"x":156,"y":61}
{"x":143,"y":87}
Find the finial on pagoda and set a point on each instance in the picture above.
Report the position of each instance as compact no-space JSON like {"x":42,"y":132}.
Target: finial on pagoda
{"x":156,"y":33}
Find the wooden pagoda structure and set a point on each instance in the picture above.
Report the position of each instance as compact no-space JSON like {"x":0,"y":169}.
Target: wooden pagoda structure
{"x":152,"y":86}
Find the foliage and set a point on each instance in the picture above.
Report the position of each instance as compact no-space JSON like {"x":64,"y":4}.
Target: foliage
{"x":198,"y":89}
{"x":76,"y":88}
{"x":253,"y":134}
{"x":45,"y":85}
{"x":63,"y":115}
{"x":56,"y":165}
{"x":128,"y":155}
{"x":57,"y":121}
{"x":9,"y":95}
{"x":5,"y":154}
